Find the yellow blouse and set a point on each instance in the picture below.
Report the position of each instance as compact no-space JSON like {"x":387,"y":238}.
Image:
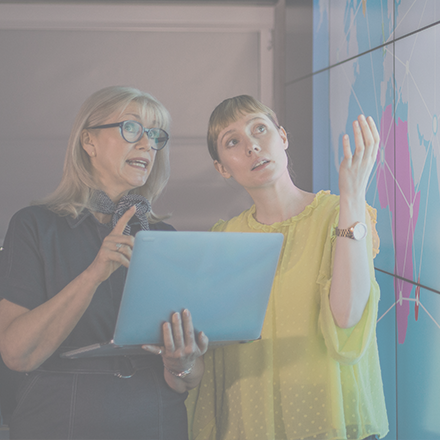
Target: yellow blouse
{"x":306,"y":378}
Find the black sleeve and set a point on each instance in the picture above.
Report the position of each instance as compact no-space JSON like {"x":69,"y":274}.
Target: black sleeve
{"x":21,"y":267}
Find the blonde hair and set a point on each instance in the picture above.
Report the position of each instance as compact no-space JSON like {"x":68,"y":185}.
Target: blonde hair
{"x":228,"y":112}
{"x":77,"y":184}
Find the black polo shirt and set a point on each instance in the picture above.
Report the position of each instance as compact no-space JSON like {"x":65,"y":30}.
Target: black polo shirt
{"x":44,"y":252}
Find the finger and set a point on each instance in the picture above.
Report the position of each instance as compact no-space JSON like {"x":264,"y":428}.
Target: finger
{"x":188,"y":328}
{"x":119,"y":243}
{"x":202,"y":342}
{"x":372,"y":138}
{"x":346,"y":149}
{"x":359,"y":137}
{"x":122,"y":222}
{"x":375,"y":134}
{"x":125,"y":249}
{"x":373,"y":129}
{"x":120,"y":258}
{"x":126,"y":255}
{"x":168,"y":340}
{"x":154,"y":349}
{"x":176,"y":323}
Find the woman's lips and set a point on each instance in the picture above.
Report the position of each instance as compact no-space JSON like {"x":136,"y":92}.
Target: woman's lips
{"x":259,"y":163}
{"x":139,"y":163}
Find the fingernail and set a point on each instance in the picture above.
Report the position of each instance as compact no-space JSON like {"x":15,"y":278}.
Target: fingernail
{"x":186,"y":312}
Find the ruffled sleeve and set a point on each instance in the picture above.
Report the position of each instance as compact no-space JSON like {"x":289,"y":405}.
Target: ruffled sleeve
{"x":373,"y":220}
{"x":347,"y":346}
{"x":219,"y":226}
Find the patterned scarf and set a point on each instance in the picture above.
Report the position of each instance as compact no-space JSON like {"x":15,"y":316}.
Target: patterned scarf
{"x":101,"y":202}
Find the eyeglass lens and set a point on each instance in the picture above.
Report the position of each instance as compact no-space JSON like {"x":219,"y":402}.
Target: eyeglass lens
{"x":132,"y":131}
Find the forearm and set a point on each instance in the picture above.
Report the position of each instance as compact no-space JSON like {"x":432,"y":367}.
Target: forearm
{"x":190,"y":381}
{"x":350,"y":286}
{"x":33,"y":335}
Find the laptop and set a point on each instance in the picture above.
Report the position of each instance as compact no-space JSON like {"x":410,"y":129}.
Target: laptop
{"x":223,"y":278}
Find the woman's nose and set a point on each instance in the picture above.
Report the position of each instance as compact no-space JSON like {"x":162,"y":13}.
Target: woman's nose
{"x":253,"y":147}
{"x":144,"y":143}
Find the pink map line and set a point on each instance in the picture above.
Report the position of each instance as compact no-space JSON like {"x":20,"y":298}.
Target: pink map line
{"x":403,"y":204}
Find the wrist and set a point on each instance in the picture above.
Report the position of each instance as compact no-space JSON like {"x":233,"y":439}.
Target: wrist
{"x":350,"y":211}
{"x":357,"y":231}
{"x":89,"y":278}
{"x":352,"y":200}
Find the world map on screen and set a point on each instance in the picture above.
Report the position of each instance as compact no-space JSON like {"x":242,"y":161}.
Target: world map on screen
{"x":395,"y":83}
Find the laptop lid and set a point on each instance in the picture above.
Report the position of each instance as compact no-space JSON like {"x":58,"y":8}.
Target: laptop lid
{"x":223,"y":278}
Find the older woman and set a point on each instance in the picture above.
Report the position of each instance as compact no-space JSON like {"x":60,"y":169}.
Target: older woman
{"x":315,"y":373}
{"x":62,"y":272}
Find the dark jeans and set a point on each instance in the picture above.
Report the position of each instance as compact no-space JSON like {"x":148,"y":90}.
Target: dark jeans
{"x":87,"y":404}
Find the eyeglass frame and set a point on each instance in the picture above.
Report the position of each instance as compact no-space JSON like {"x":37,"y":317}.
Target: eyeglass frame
{"x":144,"y":130}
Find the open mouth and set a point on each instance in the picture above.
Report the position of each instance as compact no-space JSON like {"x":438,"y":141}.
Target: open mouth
{"x":138,"y":163}
{"x":259,"y":164}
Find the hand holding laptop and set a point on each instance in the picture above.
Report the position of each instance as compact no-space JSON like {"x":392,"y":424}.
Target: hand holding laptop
{"x":181,"y":347}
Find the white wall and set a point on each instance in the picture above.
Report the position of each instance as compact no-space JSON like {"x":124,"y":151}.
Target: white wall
{"x":189,"y":56}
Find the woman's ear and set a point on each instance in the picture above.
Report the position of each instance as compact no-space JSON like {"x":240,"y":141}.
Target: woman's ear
{"x":284,"y":137}
{"x":87,"y":143}
{"x":221,"y":169}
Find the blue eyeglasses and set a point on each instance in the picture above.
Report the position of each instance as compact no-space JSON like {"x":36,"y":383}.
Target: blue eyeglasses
{"x":132,"y":131}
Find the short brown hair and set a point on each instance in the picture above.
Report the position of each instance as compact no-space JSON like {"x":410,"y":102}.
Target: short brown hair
{"x":229,"y":111}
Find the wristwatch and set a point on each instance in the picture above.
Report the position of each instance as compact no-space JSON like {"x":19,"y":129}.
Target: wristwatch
{"x":357,"y":232}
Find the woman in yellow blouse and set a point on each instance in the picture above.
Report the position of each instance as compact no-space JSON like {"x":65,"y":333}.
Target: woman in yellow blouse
{"x":315,"y":372}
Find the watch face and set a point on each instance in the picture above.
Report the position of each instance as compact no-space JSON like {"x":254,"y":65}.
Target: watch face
{"x":359,"y":231}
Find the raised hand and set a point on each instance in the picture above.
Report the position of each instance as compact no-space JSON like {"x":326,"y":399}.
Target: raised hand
{"x":356,"y":168}
{"x":115,"y":250}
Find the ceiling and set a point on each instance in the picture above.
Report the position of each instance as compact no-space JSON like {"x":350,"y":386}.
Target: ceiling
{"x":235,"y":2}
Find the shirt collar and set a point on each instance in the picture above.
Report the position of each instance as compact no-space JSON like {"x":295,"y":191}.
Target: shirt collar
{"x":74,"y":222}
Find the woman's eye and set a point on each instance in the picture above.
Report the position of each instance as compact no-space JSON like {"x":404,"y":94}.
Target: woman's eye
{"x":231,"y":143}
{"x":130,"y":127}
{"x":260,"y":129}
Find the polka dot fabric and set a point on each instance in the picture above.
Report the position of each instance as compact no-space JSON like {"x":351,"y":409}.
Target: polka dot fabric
{"x":306,"y":378}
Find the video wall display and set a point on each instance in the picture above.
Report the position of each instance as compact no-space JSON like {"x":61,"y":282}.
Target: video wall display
{"x":382,"y":59}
